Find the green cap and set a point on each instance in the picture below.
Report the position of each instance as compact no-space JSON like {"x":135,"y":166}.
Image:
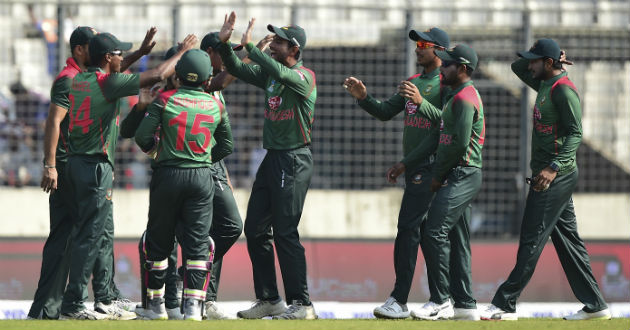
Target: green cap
{"x":81,"y":36}
{"x":194,"y":67}
{"x":293,"y":33}
{"x":104,"y":43}
{"x":212,"y":40}
{"x":170,"y":52}
{"x":542,"y":48}
{"x":461,"y":54}
{"x":434,"y":35}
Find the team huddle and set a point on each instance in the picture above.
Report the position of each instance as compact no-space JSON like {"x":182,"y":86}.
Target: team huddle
{"x":181,"y":122}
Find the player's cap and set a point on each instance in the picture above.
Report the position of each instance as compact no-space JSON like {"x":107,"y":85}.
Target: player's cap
{"x":461,"y":54}
{"x":434,"y":35}
{"x":212,"y":40}
{"x":81,"y":36}
{"x":293,"y":33}
{"x":104,"y":43}
{"x":542,"y":48}
{"x":194,"y":67}
{"x":170,"y":52}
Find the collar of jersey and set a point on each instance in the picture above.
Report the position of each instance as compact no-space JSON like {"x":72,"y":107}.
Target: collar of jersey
{"x":553,"y":80}
{"x":462,"y":86}
{"x":196,"y":88}
{"x":431,"y":74}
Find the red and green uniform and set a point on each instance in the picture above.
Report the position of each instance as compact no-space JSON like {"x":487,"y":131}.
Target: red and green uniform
{"x":458,"y":163}
{"x":417,"y":196}
{"x":556,"y":135}
{"x":283,"y":178}
{"x":92,"y":132}
{"x":55,"y":259}
{"x":181,"y":192}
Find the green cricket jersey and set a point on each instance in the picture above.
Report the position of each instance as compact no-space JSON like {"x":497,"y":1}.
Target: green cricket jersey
{"x":188,"y":117}
{"x":417,"y":126}
{"x":290,"y":95}
{"x":59,"y":96}
{"x":462,"y":132}
{"x":557,"y":130}
{"x":94,"y":110}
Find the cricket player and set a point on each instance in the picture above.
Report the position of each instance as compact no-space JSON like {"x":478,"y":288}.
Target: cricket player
{"x":556,"y":136}
{"x":92,"y":134}
{"x":418,"y":195}
{"x":456,"y":179}
{"x":181,"y":186}
{"x":54,"y":272}
{"x":283,"y":177}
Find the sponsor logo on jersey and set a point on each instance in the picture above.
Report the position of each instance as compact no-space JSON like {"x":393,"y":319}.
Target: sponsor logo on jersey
{"x":537,"y":114}
{"x":446,"y":139}
{"x":274,"y":102}
{"x":279,"y":115}
{"x":411,"y":108}
{"x":418,"y":122}
{"x":427,"y":90}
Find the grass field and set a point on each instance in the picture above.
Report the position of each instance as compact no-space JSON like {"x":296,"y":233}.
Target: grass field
{"x":358,"y":324}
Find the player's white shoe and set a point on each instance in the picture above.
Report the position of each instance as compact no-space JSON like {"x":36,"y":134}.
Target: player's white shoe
{"x":174,"y":313}
{"x":193,"y":309}
{"x":433,"y":311}
{"x":113,"y":311}
{"x":262,"y":308}
{"x":297,"y":311}
{"x":582,"y":315}
{"x":391,"y":309}
{"x":125,"y":304}
{"x":495,"y":313}
{"x":466,"y":314}
{"x":85,"y":314}
{"x":213,"y":312}
{"x":155,"y":310}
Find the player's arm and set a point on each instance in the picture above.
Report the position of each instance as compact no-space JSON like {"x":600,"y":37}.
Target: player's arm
{"x":145,"y":49}
{"x":131,"y":122}
{"x":145,"y":134}
{"x":301,"y":83}
{"x":569,"y":109}
{"x":410,"y":92}
{"x":251,"y":74}
{"x":224,"y":79}
{"x":449,"y":153}
{"x":519,"y":67}
{"x":59,"y":105}
{"x":167,"y":68}
{"x":223,"y":137}
{"x":382,"y":110}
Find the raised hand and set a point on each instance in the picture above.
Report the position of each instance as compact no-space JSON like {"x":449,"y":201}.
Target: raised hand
{"x":188,"y":43}
{"x":263,"y":44}
{"x":563,"y":58}
{"x":247,"y":36}
{"x":355,"y":87}
{"x":148,"y":43}
{"x":228,"y":26}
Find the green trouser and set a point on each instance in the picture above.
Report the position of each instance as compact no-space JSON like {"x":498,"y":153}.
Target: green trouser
{"x":447,"y":238}
{"x":413,"y":210}
{"x":550,"y":213}
{"x":90,"y":180}
{"x":179,"y":197}
{"x":55,"y":258}
{"x":103,"y":281}
{"x":225,"y":230}
{"x":276,"y":202}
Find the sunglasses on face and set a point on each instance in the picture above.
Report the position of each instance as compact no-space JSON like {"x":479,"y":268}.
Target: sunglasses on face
{"x":116,"y":52}
{"x":424,"y":44}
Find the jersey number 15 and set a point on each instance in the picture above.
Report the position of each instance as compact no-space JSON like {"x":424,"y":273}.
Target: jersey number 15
{"x":181,"y":120}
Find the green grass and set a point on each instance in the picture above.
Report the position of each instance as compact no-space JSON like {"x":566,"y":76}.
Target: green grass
{"x":358,"y":324}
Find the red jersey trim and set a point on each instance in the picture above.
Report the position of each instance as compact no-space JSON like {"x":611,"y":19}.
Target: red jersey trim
{"x":314,"y":79}
{"x":101,"y":78}
{"x":70,"y":70}
{"x":414,"y":76}
{"x":564,"y":81}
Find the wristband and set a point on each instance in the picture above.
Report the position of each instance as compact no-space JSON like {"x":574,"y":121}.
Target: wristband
{"x":48,"y":166}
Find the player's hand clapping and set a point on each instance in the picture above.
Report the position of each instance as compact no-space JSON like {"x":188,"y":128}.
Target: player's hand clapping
{"x":228,"y":26}
{"x":263,"y":44}
{"x":188,"y":43}
{"x":409,"y":91}
{"x":247,"y":36}
{"x":356,"y":88}
{"x":148,"y":43}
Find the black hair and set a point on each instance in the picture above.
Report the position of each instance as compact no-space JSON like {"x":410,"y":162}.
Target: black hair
{"x":556,"y":65}
{"x":95,"y":59}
